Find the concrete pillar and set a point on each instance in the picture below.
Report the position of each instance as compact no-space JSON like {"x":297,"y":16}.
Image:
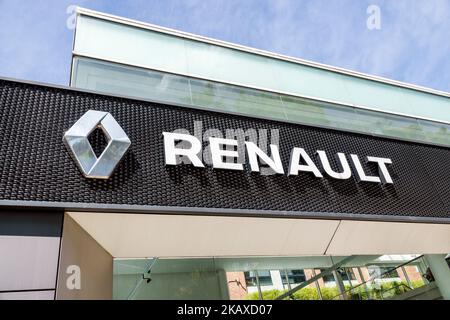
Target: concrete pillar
{"x":441,"y":273}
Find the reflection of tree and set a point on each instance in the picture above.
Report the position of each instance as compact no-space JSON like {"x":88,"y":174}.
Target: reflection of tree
{"x":442,"y":135}
{"x":415,"y":131}
{"x":235,"y":99}
{"x":253,"y":102}
{"x":168,"y":87}
{"x":204,"y":93}
{"x":306,"y":111}
{"x":411,"y":131}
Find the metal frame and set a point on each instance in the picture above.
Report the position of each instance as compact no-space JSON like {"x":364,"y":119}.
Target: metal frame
{"x":372,"y":278}
{"x":203,"y":211}
{"x":326,"y":272}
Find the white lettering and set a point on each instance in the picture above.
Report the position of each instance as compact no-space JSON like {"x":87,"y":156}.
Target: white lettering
{"x":171,"y":151}
{"x":295,"y":166}
{"x":345,"y":173}
{"x":185,"y":148}
{"x":384,"y":173}
{"x":254,"y":152}
{"x":218,"y":154}
{"x":360,"y":171}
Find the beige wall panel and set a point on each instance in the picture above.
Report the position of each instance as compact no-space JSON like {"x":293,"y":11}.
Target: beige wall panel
{"x":148,"y":235}
{"x":368,"y":237}
{"x":78,"y":248}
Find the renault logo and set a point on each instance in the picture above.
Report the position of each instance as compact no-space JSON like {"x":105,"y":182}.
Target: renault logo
{"x":76,"y":140}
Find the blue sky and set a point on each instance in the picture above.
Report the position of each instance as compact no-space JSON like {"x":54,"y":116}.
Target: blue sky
{"x":413,"y":44}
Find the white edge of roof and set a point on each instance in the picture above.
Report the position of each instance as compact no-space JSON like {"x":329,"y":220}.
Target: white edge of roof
{"x":186,"y":35}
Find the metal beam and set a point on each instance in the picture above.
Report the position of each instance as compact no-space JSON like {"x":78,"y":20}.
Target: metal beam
{"x":317,"y":277}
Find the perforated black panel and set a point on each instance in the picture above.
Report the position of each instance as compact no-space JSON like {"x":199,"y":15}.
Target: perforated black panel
{"x":35,"y":166}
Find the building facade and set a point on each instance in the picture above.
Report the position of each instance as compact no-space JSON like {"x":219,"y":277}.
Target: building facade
{"x":181,"y":167}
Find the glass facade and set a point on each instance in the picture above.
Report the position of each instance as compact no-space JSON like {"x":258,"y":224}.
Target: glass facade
{"x":293,"y":276}
{"x":116,"y":79}
{"x":258,"y":278}
{"x":249,"y":278}
{"x":174,"y":52}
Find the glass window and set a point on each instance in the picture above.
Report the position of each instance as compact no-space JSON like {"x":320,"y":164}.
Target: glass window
{"x":236,"y":99}
{"x":263,"y":276}
{"x":173,"y":279}
{"x":383,"y":272}
{"x":250,"y":279}
{"x":378,"y":95}
{"x":209,"y":61}
{"x":106,"y":77}
{"x":328,"y":277}
{"x":162,"y":51}
{"x":322,"y":114}
{"x":391,"y":125}
{"x":130,"y":45}
{"x":435,"y":132}
{"x":347,"y":274}
{"x":293,"y":276}
{"x":237,"y":278}
{"x":132,"y":82}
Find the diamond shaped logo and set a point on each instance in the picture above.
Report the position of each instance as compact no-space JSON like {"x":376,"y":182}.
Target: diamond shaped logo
{"x":76,"y":140}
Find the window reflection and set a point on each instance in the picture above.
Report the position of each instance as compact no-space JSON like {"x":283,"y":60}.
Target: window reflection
{"x":303,"y":278}
{"x":141,"y":83}
{"x":294,"y":276}
{"x":255,"y":278}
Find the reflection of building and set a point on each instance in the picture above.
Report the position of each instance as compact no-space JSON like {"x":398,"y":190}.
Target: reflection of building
{"x":158,"y":230}
{"x":241,"y":284}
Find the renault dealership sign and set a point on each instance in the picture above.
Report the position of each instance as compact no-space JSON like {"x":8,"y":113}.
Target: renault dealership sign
{"x":152,"y":157}
{"x":76,"y":139}
{"x":221,"y":158}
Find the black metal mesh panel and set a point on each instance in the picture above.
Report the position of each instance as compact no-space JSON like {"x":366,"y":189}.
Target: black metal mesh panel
{"x":36,"y":166}
{"x":436,"y":169}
